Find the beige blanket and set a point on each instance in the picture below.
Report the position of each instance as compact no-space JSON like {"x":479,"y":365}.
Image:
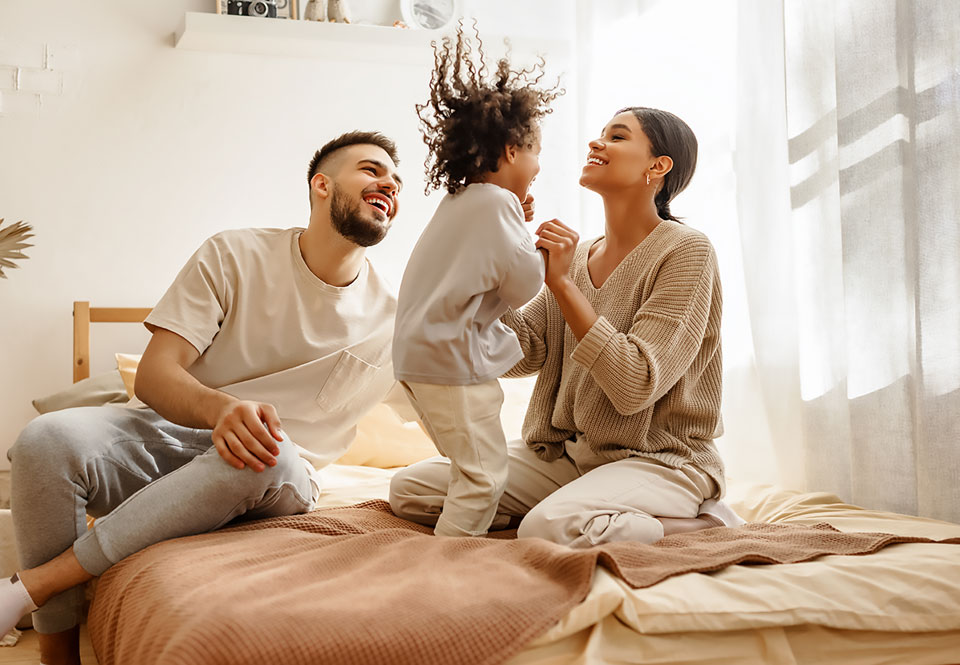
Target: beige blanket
{"x":359,"y":585}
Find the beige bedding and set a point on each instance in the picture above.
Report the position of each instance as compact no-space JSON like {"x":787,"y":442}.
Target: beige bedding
{"x":900,"y":605}
{"x":832,"y":609}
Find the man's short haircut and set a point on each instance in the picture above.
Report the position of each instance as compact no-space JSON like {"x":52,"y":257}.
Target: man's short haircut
{"x":348,"y":139}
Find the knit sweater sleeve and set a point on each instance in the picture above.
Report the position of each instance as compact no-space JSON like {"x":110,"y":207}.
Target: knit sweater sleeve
{"x":530,"y":325}
{"x":636,"y":368}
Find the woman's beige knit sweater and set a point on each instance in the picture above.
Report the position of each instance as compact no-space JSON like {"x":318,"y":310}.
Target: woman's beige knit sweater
{"x":646,"y":378}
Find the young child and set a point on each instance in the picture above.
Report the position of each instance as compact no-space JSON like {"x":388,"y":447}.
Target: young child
{"x":474,"y":260}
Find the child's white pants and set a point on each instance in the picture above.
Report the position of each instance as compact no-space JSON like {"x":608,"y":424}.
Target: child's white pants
{"x":464,"y":423}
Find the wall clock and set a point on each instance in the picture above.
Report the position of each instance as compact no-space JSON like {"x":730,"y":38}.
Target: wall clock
{"x":428,"y":14}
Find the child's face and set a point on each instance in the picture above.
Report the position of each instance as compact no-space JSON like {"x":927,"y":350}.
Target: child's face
{"x":527,"y":166}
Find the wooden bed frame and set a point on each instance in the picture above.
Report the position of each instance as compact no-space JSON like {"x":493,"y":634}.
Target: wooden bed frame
{"x":83,"y":316}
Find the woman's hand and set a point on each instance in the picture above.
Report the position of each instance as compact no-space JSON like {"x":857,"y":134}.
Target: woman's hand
{"x":560,"y":243}
{"x":527,"y":206}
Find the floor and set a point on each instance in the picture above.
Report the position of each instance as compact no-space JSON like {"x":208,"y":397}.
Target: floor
{"x":27,"y":651}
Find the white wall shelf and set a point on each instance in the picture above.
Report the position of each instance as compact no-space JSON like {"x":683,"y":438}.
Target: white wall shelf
{"x":226,"y":33}
{"x":263,"y":36}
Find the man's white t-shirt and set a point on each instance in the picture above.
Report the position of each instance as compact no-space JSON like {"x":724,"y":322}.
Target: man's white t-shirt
{"x":474,"y":260}
{"x":269,"y":330}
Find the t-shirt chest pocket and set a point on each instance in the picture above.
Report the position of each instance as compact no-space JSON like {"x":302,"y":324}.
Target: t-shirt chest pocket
{"x":349,"y":377}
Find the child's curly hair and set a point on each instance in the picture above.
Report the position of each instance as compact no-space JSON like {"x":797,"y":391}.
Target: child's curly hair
{"x":469,"y":119}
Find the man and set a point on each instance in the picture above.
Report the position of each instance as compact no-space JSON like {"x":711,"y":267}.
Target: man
{"x":267,"y":348}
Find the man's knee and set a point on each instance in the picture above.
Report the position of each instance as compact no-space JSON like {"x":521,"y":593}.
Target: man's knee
{"x":288,"y":458}
{"x":290,"y":468}
{"x":46,"y":441}
{"x":281,"y":489}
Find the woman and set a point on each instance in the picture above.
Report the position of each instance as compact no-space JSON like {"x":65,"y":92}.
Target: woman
{"x":626,"y":344}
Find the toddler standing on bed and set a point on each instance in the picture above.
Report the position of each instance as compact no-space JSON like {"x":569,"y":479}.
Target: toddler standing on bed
{"x":474,"y":260}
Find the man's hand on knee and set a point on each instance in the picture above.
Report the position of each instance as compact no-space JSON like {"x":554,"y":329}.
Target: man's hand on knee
{"x":247,"y":433}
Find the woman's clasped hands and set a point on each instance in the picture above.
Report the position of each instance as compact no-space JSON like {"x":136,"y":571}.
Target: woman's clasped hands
{"x":559,"y":242}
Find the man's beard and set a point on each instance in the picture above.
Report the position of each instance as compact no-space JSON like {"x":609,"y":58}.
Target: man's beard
{"x":350,"y":223}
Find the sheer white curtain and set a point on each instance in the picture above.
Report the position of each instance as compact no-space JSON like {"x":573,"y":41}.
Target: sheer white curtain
{"x":848,"y":179}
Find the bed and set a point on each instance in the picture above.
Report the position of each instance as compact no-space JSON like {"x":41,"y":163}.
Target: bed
{"x":898,"y":604}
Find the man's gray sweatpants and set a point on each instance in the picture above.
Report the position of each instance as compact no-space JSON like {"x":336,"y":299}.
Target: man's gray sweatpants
{"x":144,"y":478}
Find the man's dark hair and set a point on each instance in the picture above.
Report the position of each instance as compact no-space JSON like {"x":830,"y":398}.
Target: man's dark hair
{"x":348,"y":139}
{"x":471,"y":116}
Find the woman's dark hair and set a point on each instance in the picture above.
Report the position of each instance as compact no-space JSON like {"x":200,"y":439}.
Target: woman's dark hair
{"x":471,"y":116}
{"x":670,"y":136}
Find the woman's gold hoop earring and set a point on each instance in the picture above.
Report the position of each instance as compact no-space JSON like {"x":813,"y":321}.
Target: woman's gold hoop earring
{"x":648,"y":178}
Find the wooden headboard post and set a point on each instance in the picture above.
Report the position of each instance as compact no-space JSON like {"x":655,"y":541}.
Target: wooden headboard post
{"x":81,"y":340}
{"x":83,"y":316}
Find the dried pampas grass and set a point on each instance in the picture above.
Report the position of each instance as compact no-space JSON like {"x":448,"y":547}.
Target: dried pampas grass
{"x":12,"y":241}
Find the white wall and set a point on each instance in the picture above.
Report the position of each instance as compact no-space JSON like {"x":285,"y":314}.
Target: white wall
{"x":147,"y":150}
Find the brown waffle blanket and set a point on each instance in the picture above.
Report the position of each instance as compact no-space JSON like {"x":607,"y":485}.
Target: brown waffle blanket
{"x":359,"y":585}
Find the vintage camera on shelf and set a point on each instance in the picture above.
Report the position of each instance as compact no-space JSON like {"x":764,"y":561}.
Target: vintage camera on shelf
{"x":262,"y":8}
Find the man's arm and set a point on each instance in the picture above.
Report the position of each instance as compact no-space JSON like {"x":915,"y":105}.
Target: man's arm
{"x":245,"y":433}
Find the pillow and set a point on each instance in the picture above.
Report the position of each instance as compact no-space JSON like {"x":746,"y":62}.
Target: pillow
{"x":106,"y":388}
{"x":127,"y":366}
{"x":384,"y":440}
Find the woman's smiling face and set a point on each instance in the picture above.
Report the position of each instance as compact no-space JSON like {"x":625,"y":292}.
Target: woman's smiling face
{"x":620,"y":157}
